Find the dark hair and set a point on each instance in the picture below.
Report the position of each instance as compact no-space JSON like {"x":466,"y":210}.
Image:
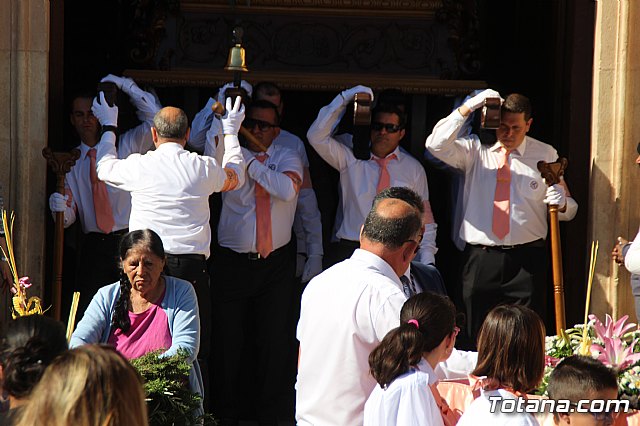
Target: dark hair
{"x":265,"y":88}
{"x":264,"y":104}
{"x":401,"y":193}
{"x":172,"y":127}
{"x":28,"y":347}
{"x":404,"y":346}
{"x":84,"y":93}
{"x":390,"y":109}
{"x":517,"y":103}
{"x":392,"y":232}
{"x":579,"y":377}
{"x":511,"y":347}
{"x":392,"y":96}
{"x":144,"y":238}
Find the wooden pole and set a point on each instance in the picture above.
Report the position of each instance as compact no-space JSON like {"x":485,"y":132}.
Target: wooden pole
{"x":551,"y":172}
{"x":60,"y":163}
{"x":219,"y":109}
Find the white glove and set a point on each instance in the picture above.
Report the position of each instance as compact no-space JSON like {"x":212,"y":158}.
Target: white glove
{"x":312,"y":268}
{"x":349,"y":94}
{"x":232,"y":120}
{"x":243,"y":84}
{"x":106,"y":115}
{"x":118,"y":81}
{"x":556,"y":195}
{"x":300,"y":261}
{"x":58,"y":202}
{"x":478,"y":100}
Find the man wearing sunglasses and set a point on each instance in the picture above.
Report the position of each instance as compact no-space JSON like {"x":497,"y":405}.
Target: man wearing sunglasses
{"x":253,"y":272}
{"x":361,"y":180}
{"x":505,"y":207}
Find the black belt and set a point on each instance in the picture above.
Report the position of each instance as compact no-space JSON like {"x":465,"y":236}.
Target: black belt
{"x":537,"y":243}
{"x":104,"y":236}
{"x":257,"y":256}
{"x":189,"y":256}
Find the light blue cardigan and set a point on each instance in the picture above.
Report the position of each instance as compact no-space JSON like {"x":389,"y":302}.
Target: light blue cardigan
{"x":181,"y":306}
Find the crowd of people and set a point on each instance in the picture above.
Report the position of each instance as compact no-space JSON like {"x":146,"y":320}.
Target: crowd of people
{"x":374,"y":327}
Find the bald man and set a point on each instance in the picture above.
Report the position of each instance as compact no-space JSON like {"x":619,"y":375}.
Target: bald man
{"x":170,"y":190}
{"x":349,"y":308}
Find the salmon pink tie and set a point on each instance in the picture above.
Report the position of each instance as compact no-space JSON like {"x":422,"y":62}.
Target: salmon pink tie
{"x":264,"y":242}
{"x":101,"y":204}
{"x":501,"y":200}
{"x":384,"y":181}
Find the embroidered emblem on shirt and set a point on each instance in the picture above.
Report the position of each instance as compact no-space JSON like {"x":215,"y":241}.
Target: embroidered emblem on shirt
{"x":272,"y":166}
{"x":533,"y":184}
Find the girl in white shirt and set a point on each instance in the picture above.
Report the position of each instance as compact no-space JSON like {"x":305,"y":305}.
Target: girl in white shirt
{"x":510,"y":364}
{"x":403,"y":365}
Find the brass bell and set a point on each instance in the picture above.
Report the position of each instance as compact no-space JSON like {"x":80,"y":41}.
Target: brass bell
{"x":236,"y":61}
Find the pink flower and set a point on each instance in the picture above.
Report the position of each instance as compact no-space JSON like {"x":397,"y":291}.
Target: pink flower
{"x":24,"y":282}
{"x":551,"y":361}
{"x":614,"y":354}
{"x":611,"y":328}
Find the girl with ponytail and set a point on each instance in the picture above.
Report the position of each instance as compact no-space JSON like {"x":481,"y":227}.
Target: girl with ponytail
{"x":403,"y":364}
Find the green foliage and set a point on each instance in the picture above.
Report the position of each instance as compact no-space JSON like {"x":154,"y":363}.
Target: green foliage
{"x":166,"y":384}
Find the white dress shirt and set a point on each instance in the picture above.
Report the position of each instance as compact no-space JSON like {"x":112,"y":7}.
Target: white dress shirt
{"x":407,"y":400}
{"x":237,"y":226}
{"x":78,"y":181}
{"x":170,"y":189}
{"x":307,"y":224}
{"x":478,"y":412}
{"x":528,"y":213}
{"x":632,"y":258}
{"x":359,"y":178}
{"x":345,"y":312}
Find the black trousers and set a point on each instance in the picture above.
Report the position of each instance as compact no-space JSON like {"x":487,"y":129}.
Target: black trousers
{"x":252,"y":299}
{"x":339,"y":251}
{"x":494,"y":276}
{"x":98,"y":265}
{"x":193,"y":268}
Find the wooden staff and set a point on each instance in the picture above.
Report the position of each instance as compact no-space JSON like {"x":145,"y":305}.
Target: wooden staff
{"x":551,"y":172}
{"x":60,"y":163}
{"x":219,"y":109}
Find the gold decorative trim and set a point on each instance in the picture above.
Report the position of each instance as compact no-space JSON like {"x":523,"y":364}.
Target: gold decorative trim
{"x":386,"y":8}
{"x":309,"y":81}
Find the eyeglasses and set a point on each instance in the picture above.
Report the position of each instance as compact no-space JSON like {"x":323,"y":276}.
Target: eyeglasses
{"x":250,"y":123}
{"x":417,"y":243}
{"x":389,"y":127}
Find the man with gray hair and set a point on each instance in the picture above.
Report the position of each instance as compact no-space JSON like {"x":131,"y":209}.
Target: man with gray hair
{"x":348,"y":309}
{"x":170,"y":190}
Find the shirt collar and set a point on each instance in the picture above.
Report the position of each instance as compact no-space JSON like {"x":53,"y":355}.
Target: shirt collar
{"x":519,"y":150}
{"x":373,"y":261}
{"x":269,"y":151}
{"x":170,"y":146}
{"x":84,"y":149}
{"x":425,"y":367}
{"x":396,"y":151}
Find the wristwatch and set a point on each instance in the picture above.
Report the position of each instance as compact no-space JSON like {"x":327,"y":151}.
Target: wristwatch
{"x":113,"y":129}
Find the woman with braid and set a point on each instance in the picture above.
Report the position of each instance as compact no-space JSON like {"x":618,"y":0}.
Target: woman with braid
{"x":403,"y":364}
{"x":146,"y":310}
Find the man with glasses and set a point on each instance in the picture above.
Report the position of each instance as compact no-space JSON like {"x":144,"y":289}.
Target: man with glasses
{"x":253,"y":273}
{"x":361,"y":180}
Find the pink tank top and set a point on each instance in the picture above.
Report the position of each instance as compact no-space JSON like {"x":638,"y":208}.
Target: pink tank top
{"x":149,"y":331}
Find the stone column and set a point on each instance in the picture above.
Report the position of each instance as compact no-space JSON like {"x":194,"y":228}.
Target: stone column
{"x":24,"y":64}
{"x":614,"y":207}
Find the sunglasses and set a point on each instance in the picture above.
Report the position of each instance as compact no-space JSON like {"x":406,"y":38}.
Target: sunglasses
{"x":250,"y":123}
{"x":390,"y":128}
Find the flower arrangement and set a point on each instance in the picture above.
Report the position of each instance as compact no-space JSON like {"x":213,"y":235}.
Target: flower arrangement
{"x":21,"y":304}
{"x":614,"y":343}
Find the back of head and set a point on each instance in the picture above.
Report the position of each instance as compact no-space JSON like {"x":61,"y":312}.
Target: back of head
{"x":29,"y":346}
{"x":580,"y":377}
{"x":425,"y":320}
{"x":511,"y":347}
{"x":171,"y":123}
{"x":393,"y":221}
{"x":92,"y":385}
{"x":517,"y":103}
{"x":266,"y":89}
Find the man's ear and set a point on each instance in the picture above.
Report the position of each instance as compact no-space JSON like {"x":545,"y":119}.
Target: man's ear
{"x":562,"y":419}
{"x":154,"y":135}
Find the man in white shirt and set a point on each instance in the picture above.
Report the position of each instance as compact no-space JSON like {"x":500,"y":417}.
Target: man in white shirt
{"x":361,"y":180}
{"x":253,"y":273}
{"x":505,"y":219}
{"x":98,"y":263}
{"x":349,"y":308}
{"x":170,"y":190}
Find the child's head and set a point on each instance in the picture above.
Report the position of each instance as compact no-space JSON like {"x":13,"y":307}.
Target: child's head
{"x":511,"y":347}
{"x":427,"y":323}
{"x":578,"y":378}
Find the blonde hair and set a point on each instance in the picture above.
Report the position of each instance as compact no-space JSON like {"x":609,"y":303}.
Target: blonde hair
{"x":92,"y":385}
